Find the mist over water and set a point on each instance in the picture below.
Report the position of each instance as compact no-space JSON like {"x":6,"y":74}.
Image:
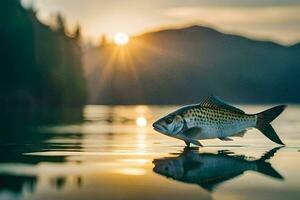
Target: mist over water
{"x":103,"y":152}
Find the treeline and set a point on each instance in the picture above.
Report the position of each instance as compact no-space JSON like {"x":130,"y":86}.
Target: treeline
{"x":40,"y":65}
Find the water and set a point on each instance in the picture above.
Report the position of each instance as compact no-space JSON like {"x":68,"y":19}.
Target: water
{"x":112,"y":153}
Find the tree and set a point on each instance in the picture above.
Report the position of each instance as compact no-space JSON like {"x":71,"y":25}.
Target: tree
{"x":39,"y":66}
{"x":103,"y":41}
{"x":60,"y":23}
{"x":77,"y":34}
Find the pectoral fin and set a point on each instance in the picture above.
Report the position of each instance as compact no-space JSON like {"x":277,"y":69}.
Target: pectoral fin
{"x":196,"y":142}
{"x":226,"y":139}
{"x":192,"y":132}
{"x":240,"y":134}
{"x":188,"y":140}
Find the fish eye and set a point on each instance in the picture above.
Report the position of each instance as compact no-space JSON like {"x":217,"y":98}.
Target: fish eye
{"x":169,"y":120}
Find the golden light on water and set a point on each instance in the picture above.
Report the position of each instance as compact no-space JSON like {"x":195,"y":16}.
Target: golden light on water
{"x":132,"y":171}
{"x":142,"y":114}
{"x":121,"y":38}
{"x":141,"y":121}
{"x":136,"y":161}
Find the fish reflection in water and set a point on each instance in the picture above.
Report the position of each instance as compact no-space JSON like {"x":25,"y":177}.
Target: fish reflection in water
{"x":208,"y":169}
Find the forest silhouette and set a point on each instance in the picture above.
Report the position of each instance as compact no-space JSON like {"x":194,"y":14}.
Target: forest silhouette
{"x":40,"y":65}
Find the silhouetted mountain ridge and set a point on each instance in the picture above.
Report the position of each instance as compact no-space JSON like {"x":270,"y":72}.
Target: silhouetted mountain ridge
{"x":179,"y":66}
{"x":207,"y":32}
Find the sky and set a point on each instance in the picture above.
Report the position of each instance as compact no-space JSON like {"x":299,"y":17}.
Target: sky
{"x":276,"y":20}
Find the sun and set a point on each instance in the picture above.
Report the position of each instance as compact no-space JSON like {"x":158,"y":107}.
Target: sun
{"x":141,"y":121}
{"x":121,"y":38}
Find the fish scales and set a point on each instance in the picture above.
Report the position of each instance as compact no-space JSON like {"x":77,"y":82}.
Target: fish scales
{"x":217,"y":122}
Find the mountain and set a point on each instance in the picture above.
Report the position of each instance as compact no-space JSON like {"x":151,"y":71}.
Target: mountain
{"x":180,"y":66}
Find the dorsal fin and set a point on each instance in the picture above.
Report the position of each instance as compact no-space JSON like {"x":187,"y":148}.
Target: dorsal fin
{"x":213,"y":102}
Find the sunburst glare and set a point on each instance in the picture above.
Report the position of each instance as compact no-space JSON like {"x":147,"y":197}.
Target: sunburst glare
{"x":141,"y":121}
{"x":121,"y":38}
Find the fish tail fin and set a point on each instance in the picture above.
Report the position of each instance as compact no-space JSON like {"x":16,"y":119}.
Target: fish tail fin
{"x":267,"y":169}
{"x":269,"y":154}
{"x":269,"y":115}
{"x":265,"y":118}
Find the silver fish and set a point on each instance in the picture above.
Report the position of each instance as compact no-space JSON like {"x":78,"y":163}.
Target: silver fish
{"x":209,"y":170}
{"x":213,"y":118}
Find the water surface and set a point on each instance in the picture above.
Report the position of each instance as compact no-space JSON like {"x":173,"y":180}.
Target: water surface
{"x":104,"y":152}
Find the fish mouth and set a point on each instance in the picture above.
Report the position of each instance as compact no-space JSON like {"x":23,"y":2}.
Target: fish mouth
{"x":157,"y":168}
{"x":159,"y":128}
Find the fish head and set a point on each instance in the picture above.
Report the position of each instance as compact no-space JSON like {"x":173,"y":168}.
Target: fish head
{"x":168,"y":167}
{"x":169,"y":125}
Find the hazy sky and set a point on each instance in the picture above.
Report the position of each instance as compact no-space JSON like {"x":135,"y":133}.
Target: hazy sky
{"x":277,"y":20}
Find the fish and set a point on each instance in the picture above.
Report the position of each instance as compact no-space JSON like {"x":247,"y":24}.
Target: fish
{"x":213,"y":118}
{"x":208,"y":170}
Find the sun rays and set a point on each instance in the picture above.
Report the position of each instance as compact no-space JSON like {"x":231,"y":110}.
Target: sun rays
{"x":119,"y":66}
{"x":122,"y":62}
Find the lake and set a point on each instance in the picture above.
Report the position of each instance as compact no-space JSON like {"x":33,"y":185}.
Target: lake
{"x":103,"y":152}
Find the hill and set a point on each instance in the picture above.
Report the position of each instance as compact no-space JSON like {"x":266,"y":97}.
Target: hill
{"x":179,"y":66}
